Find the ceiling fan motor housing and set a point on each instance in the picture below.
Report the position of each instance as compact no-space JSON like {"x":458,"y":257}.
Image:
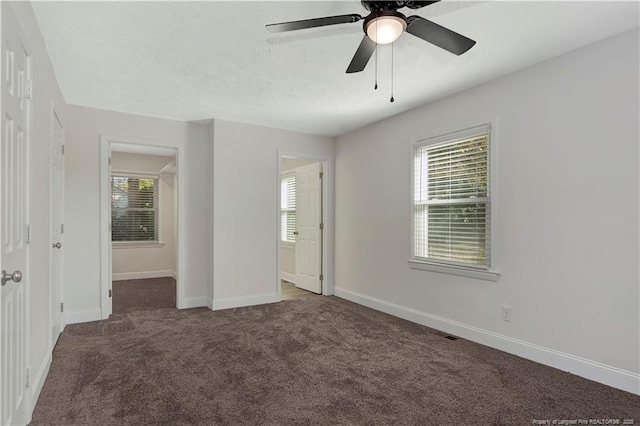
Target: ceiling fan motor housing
{"x":380,"y":6}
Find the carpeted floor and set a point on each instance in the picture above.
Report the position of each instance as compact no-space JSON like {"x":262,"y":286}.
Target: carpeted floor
{"x":317,"y":360}
{"x":143,"y":295}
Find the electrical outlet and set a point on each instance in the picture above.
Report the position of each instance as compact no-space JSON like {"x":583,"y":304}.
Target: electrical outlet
{"x":506,"y":313}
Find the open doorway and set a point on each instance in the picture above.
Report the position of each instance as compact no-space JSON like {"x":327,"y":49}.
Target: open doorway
{"x":301,"y":239}
{"x":143,"y":231}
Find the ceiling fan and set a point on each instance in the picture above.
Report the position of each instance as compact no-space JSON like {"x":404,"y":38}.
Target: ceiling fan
{"x":385,"y":25}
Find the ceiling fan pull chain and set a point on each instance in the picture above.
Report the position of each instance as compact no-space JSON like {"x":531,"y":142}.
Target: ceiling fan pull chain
{"x":392,"y":100}
{"x":375,"y":87}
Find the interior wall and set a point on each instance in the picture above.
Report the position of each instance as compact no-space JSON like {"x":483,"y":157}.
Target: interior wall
{"x":567,"y":198}
{"x":246,"y":207}
{"x":46,"y":93}
{"x":82,"y":200}
{"x":288,"y":250}
{"x":157,"y":260}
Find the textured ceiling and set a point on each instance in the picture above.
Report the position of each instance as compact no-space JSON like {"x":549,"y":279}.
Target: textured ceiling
{"x":202,"y":60}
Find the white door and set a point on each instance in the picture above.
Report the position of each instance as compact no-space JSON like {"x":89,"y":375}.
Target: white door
{"x":57,"y":227}
{"x":14,"y":154}
{"x":309,"y":234}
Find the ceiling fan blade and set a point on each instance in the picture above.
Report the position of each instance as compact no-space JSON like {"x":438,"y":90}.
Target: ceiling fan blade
{"x":438,"y":35}
{"x":313,"y":23}
{"x":362,"y":56}
{"x":419,"y":4}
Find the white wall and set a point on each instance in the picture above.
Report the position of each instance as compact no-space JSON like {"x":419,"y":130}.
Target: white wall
{"x":567,"y":206}
{"x":82,"y":200}
{"x":157,"y":260}
{"x":46,"y":92}
{"x":246,"y":206}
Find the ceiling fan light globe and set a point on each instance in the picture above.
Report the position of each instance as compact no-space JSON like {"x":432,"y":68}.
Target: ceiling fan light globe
{"x":385,"y":29}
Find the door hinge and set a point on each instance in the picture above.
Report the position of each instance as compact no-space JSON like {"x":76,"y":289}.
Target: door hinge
{"x":109,"y":292}
{"x":62,"y":149}
{"x":321,"y":175}
{"x":321,"y":277}
{"x":28,"y":234}
{"x":29,"y":89}
{"x":28,"y":377}
{"x":109,"y":160}
{"x":321,"y":226}
{"x":62,"y":307}
{"x":62,"y":228}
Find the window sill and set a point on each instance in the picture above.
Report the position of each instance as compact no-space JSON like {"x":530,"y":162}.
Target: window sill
{"x":482,"y":274}
{"x":136,"y":244}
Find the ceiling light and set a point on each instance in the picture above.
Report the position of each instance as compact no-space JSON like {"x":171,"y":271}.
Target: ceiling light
{"x":385,"y":29}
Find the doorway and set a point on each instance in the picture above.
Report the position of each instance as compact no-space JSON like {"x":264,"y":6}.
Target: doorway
{"x":301,"y":228}
{"x":143,"y":231}
{"x":141,"y":214}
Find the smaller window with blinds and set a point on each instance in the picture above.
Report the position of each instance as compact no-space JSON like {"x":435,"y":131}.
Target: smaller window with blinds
{"x":134,"y":209}
{"x":288,"y":208}
{"x":452,"y":199}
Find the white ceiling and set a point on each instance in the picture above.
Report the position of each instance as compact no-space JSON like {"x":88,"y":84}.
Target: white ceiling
{"x":200,"y":60}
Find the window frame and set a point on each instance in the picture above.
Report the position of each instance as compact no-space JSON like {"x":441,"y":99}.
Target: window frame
{"x":283,"y":176}
{"x":158,"y":242}
{"x":484,"y":272}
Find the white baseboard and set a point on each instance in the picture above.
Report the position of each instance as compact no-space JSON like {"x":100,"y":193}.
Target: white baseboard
{"x":288,"y":277}
{"x":195,"y":302}
{"x":593,"y":370}
{"x":83,"y":316}
{"x":239,"y":302}
{"x":39,"y":378}
{"x":143,"y":275}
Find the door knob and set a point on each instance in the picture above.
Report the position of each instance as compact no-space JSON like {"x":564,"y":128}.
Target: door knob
{"x":57,"y":245}
{"x":16,"y":277}
{"x":295,"y":232}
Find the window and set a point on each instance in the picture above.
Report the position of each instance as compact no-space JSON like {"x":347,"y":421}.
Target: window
{"x":134,"y":208}
{"x":452,"y":201}
{"x":288,"y":207}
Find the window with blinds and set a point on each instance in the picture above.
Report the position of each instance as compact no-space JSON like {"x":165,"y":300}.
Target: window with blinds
{"x":134,"y":208}
{"x":452,"y":200}
{"x":288,"y":208}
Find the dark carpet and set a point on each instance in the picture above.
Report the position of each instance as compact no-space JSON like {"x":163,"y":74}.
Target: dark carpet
{"x":317,"y":360}
{"x":147,"y":294}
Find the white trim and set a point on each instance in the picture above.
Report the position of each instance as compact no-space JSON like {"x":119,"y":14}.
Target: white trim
{"x":134,"y":174}
{"x":593,"y":370}
{"x":288,"y":277}
{"x":55,"y":309}
{"x":105,"y":211}
{"x":137,"y":244}
{"x":196,"y":302}
{"x":143,"y":275}
{"x":38,"y":380}
{"x":83,"y":316}
{"x":482,"y":274}
{"x":437,"y":136}
{"x":105,"y":231}
{"x":239,"y":302}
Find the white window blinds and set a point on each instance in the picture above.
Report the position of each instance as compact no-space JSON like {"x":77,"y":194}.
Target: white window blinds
{"x":134,"y":208}
{"x":288,"y":208}
{"x":452,"y":200}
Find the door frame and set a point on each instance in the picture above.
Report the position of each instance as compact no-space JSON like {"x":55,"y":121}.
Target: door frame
{"x":105,"y":216}
{"x":327,"y":218}
{"x":55,"y":116}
